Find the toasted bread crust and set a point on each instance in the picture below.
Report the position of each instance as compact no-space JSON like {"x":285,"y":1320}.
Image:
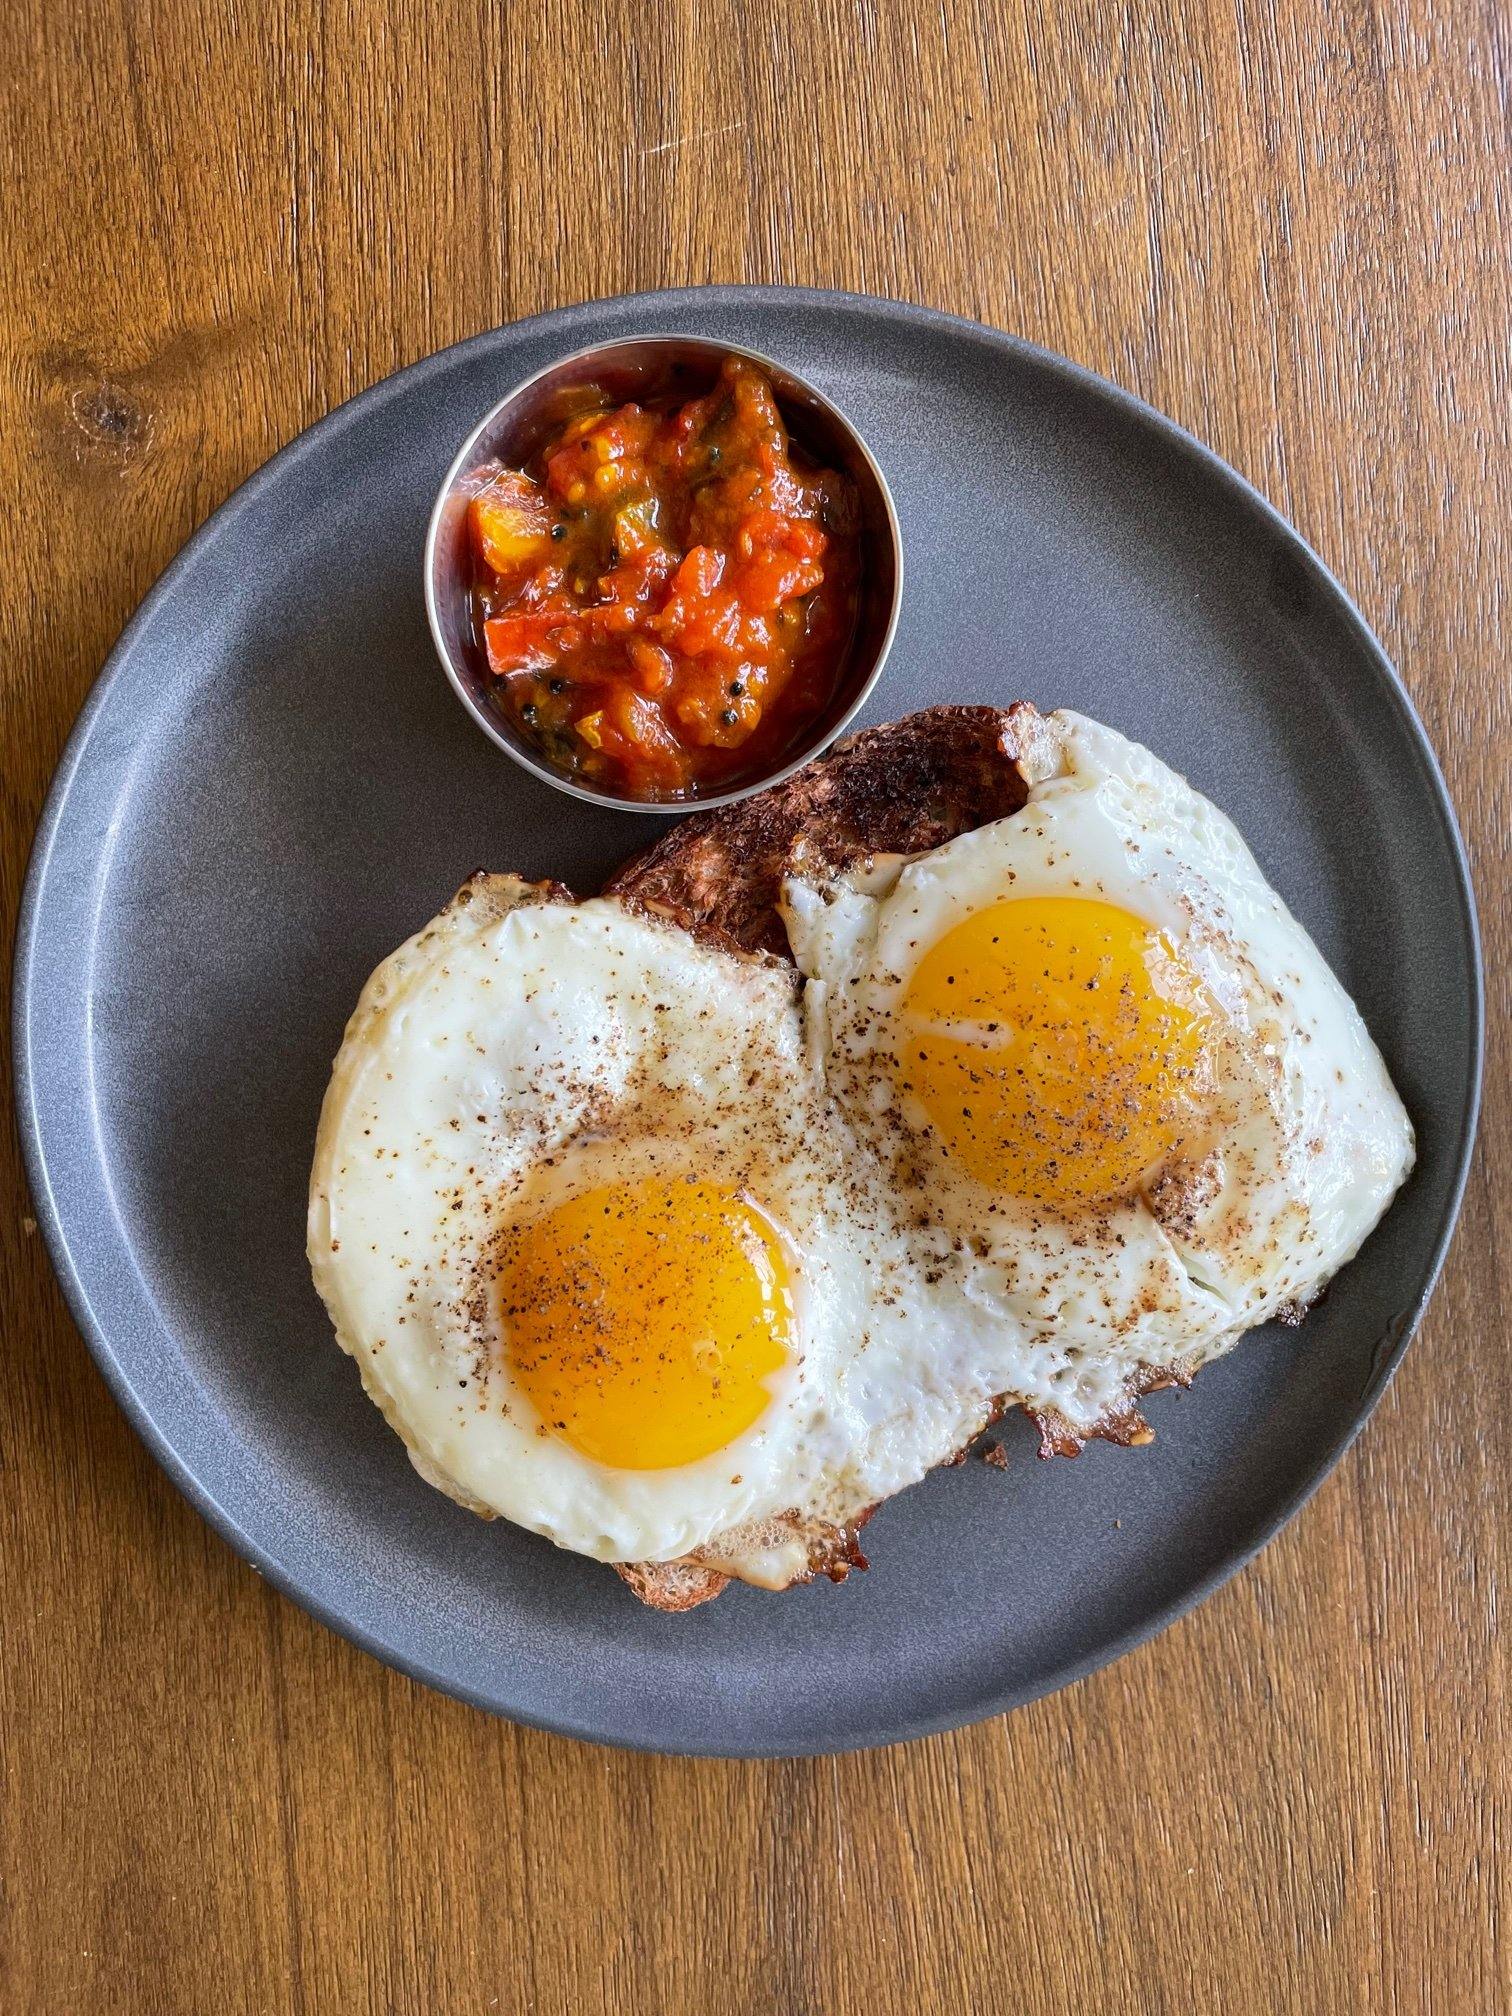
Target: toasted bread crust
{"x":671,"y":1585}
{"x":812,"y":1548}
{"x":899,"y":789}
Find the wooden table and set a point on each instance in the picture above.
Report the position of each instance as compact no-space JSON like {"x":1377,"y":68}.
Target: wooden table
{"x":1283,"y":223}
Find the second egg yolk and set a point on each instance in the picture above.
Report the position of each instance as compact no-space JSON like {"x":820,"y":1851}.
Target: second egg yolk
{"x":1058,"y":1046}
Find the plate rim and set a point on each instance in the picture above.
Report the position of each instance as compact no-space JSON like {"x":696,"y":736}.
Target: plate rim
{"x":560,"y":322}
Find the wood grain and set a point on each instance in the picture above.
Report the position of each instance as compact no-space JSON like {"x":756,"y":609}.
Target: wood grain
{"x":1284,"y":222}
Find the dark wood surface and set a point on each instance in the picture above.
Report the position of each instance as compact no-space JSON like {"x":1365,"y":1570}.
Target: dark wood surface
{"x":1287,"y":225}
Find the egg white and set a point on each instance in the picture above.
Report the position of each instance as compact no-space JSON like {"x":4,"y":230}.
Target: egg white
{"x":1068,"y":1313}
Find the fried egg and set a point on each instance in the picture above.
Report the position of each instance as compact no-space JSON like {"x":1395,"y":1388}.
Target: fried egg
{"x":1132,"y":1110}
{"x":578,"y":1212}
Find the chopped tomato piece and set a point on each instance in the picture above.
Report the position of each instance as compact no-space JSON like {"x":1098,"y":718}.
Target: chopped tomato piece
{"x":700,"y":572}
{"x":654,"y":668}
{"x":521,"y":643}
{"x":767,"y":580}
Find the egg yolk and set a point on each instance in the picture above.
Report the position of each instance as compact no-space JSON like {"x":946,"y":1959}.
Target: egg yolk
{"x":644,"y":1319}
{"x":1058,"y":1046}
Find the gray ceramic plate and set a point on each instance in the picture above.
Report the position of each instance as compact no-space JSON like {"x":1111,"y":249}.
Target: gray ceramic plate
{"x":272,"y":785}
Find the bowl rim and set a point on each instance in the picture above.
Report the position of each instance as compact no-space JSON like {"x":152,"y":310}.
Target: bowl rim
{"x":461,"y":466}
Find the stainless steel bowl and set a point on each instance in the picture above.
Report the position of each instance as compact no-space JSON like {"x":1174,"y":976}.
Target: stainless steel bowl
{"x":512,"y":431}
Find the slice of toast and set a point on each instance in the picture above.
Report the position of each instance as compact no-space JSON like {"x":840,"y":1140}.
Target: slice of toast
{"x":903,"y":788}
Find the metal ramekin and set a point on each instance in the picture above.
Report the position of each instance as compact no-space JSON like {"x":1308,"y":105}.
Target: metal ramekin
{"x":510,"y":432}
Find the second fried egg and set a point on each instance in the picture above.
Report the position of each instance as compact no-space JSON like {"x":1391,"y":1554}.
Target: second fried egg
{"x":1132,"y":1111}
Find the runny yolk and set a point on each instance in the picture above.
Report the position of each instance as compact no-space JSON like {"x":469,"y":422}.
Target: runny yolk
{"x":1058,"y":1046}
{"x":644,"y":1319}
